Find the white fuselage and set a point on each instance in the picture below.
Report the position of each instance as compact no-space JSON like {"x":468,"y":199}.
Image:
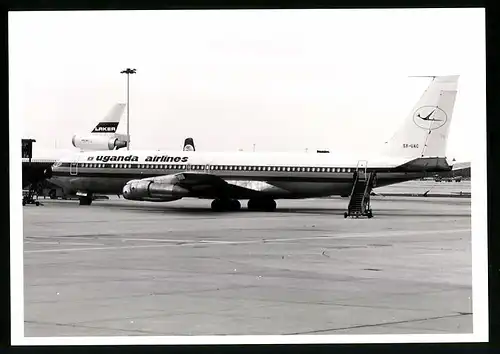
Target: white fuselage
{"x":277,"y":175}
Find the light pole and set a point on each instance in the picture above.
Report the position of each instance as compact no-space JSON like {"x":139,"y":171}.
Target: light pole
{"x":128,"y":71}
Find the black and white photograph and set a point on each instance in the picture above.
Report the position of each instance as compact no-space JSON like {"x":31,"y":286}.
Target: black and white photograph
{"x":248,"y":176}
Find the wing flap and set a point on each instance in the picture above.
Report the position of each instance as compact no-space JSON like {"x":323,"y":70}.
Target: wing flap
{"x":209,"y":184}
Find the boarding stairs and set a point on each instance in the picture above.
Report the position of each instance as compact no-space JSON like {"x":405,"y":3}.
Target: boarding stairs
{"x":359,"y":202}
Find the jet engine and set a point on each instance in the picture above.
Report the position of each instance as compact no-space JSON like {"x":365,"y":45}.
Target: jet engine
{"x":98,"y":143}
{"x":151,"y":189}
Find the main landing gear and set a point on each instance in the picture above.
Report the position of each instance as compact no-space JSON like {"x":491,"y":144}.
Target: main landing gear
{"x":220,"y":204}
{"x":261,"y":204}
{"x":87,"y":200}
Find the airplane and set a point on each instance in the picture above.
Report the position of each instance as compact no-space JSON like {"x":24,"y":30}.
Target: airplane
{"x":417,"y":149}
{"x":103,"y":136}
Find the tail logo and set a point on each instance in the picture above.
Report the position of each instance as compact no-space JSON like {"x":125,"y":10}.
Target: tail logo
{"x":430,"y":117}
{"x":106,"y":127}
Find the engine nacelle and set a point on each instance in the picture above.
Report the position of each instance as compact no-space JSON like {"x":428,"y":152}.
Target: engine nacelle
{"x":98,"y":142}
{"x":149,"y":190}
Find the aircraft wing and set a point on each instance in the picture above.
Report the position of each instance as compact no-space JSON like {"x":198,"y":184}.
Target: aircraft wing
{"x":204,"y":184}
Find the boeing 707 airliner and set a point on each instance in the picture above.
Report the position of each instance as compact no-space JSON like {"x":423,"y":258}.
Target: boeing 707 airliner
{"x":416,"y":149}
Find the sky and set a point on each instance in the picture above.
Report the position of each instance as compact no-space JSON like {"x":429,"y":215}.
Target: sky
{"x":284,"y":80}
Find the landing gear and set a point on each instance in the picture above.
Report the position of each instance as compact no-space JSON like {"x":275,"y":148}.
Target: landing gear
{"x":221,"y":204}
{"x":262,"y":204}
{"x":53,"y":194}
{"x":85,"y":200}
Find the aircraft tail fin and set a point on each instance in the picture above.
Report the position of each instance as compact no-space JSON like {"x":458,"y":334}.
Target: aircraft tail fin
{"x":188,"y":145}
{"x":109,"y":124}
{"x":425,"y":130}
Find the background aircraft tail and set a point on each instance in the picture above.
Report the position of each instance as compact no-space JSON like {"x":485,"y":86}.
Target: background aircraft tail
{"x":425,"y":130}
{"x":104,"y":135}
{"x":188,"y":145}
{"x":109,"y":124}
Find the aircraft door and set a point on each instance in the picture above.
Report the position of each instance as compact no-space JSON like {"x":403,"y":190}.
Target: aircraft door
{"x":73,"y":167}
{"x":361,"y":168}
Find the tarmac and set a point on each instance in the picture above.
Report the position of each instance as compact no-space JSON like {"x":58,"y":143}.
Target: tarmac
{"x":121,"y":268}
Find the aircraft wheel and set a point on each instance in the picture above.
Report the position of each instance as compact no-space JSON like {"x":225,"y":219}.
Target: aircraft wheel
{"x":216,"y":205}
{"x":264,"y":204}
{"x":234,"y":205}
{"x":270,"y":205}
{"x":85,"y":201}
{"x":221,"y":204}
{"x":251,"y":205}
{"x":37,"y":203}
{"x":345,"y":215}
